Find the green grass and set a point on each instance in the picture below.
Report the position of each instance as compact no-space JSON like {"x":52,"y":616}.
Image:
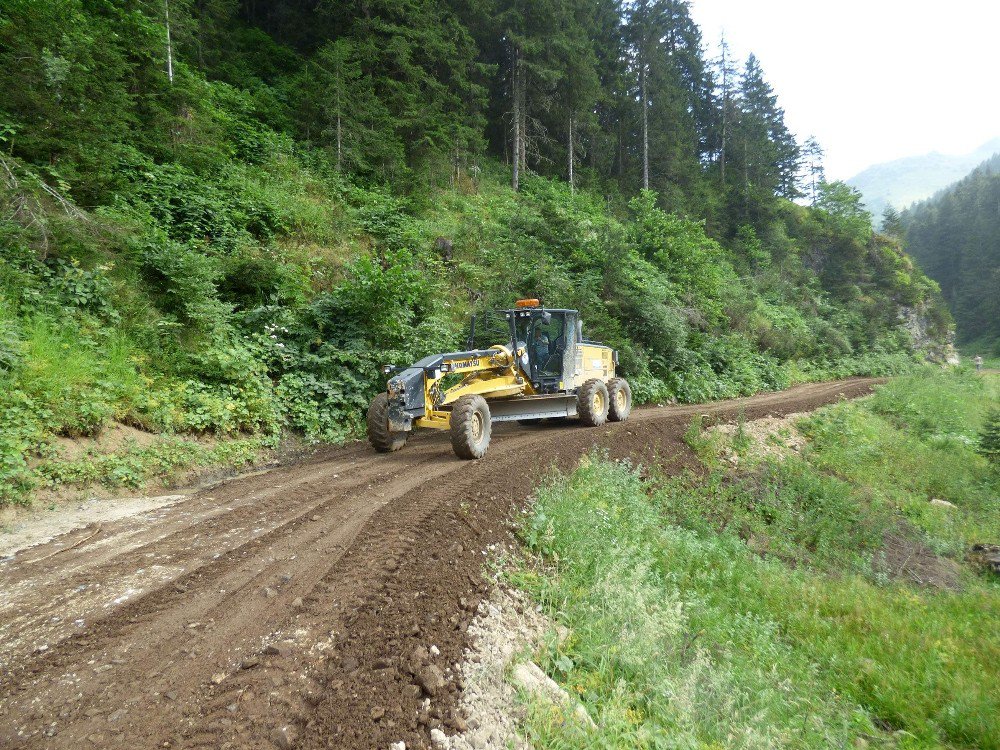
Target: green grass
{"x":915,"y":440}
{"x":135,"y":466}
{"x":987,"y":347}
{"x":755,"y":610}
{"x":86,"y":382}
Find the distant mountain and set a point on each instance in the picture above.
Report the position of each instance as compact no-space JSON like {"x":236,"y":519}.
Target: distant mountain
{"x":914,"y":178}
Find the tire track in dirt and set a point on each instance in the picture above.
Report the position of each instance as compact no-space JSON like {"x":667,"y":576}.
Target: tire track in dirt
{"x":284,"y":609}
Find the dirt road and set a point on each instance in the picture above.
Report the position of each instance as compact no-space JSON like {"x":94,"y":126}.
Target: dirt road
{"x":283,"y":610}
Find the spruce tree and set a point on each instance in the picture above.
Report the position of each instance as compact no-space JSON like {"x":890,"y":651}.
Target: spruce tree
{"x":813,"y":171}
{"x":770,"y":158}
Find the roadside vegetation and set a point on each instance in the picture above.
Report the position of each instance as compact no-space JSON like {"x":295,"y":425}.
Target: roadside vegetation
{"x":129,"y":316}
{"x":816,"y":600}
{"x":229,"y":236}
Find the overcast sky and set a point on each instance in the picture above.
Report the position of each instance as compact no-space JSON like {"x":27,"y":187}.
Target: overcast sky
{"x":873,"y":80}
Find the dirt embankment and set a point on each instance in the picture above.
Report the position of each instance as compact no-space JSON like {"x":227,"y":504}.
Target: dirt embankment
{"x":323,"y":604}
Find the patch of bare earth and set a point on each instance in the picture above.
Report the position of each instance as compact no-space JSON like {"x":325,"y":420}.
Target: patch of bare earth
{"x":774,"y":437}
{"x":68,"y":507}
{"x":113,"y":438}
{"x":506,"y":627}
{"x":908,"y":558}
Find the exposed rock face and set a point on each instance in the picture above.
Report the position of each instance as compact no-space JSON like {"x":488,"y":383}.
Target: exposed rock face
{"x":925,"y":338}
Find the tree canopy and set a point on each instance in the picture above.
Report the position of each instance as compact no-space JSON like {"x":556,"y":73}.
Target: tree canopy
{"x":955,"y":236}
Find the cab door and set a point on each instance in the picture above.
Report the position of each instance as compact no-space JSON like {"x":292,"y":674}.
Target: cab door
{"x":551,"y":337}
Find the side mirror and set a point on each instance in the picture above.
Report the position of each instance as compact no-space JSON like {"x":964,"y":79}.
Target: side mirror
{"x":579,"y":330}
{"x":546,"y":317}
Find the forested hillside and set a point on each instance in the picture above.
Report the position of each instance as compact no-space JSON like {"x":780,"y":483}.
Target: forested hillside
{"x":956,"y":238}
{"x":222,"y":217}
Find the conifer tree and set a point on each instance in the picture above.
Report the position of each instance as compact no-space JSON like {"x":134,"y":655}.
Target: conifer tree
{"x":814,"y":174}
{"x":645,"y":28}
{"x":578,"y":88}
{"x":770,"y":154}
{"x":726,"y":99}
{"x":892,"y":222}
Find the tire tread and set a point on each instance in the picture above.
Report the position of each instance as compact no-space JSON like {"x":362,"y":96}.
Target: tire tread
{"x":614,"y":385}
{"x":461,"y":427}
{"x":585,"y":403}
{"x":380,"y":436}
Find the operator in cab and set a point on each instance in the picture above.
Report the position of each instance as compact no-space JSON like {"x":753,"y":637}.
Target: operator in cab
{"x":541,"y":347}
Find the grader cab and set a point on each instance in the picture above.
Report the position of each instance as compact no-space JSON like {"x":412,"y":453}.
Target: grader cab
{"x":527,"y":363}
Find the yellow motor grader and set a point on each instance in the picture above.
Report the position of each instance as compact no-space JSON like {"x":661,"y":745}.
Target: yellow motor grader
{"x":528,"y":363}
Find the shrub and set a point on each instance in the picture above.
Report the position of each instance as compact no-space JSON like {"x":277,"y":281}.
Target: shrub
{"x":989,"y":438}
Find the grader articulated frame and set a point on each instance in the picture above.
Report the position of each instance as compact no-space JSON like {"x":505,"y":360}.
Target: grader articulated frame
{"x":540,"y":367}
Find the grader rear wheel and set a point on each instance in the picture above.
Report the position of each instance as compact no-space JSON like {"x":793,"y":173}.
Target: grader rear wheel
{"x":470,"y":427}
{"x":620,"y":399}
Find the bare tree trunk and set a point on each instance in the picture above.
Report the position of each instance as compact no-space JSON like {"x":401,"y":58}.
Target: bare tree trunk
{"x":725,"y":132}
{"x":340,"y":141}
{"x":516,"y":96}
{"x":746,"y":166}
{"x":725,"y":110}
{"x":645,"y":128}
{"x":524,"y":124}
{"x":722,"y":157}
{"x":572,"y":187}
{"x":170,"y":51}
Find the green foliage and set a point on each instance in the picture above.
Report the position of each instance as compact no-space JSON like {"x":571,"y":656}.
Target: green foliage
{"x":845,"y":210}
{"x":932,"y":406}
{"x":785,"y":510}
{"x":260,"y":232}
{"x":989,"y":437}
{"x":953,"y":237}
{"x":134,"y":467}
{"x":915,"y":440}
{"x":720,"y":610}
{"x":682,"y":634}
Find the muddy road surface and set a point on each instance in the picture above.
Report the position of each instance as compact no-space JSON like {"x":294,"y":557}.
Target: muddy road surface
{"x":321,"y":604}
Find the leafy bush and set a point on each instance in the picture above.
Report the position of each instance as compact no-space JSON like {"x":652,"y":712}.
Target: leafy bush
{"x":247,"y":287}
{"x":989,"y":437}
{"x":10,"y":347}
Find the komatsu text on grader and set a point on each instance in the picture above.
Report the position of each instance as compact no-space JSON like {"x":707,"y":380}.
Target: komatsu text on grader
{"x":527,"y":364}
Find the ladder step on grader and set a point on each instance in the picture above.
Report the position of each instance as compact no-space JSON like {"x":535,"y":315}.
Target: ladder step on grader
{"x":528,"y":363}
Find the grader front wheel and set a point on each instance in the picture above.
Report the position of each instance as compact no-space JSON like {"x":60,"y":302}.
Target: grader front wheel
{"x":470,"y":427}
{"x":380,"y":436}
